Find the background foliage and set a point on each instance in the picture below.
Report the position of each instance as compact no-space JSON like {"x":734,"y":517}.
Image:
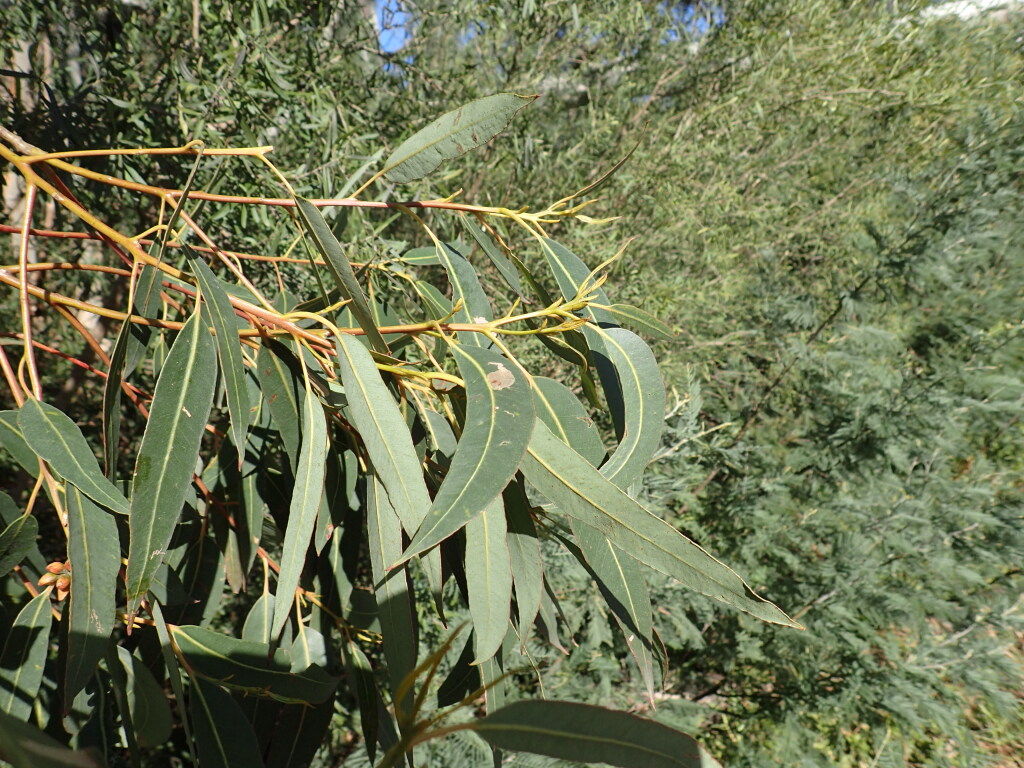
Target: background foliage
{"x":825,"y":202}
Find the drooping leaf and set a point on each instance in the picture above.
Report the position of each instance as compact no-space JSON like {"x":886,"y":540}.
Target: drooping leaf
{"x":644,"y":322}
{"x":391,"y":589}
{"x":643,"y":396}
{"x":500,"y":261}
{"x":308,"y":648}
{"x":259,"y":620}
{"x":224,"y":735}
{"x":280,"y":378}
{"x":475,"y":308}
{"x":221,"y":315}
{"x":151,"y":715}
{"x":128,"y":348}
{"x":17,"y":541}
{"x":300,"y":732}
{"x":249,"y":667}
{"x":566,"y":417}
{"x":167,"y":456}
{"x":341,"y":270}
{"x":499,"y":420}
{"x":57,"y":440}
{"x":12,"y":440}
{"x":588,"y":734}
{"x":621,"y":579}
{"x":524,"y":558}
{"x":453,"y":134}
{"x":305,"y":502}
{"x":171,"y":664}
{"x":489,"y":578}
{"x":24,"y":656}
{"x":581,"y":492}
{"x":95,"y":554}
{"x":359,"y":675}
{"x":570,"y":273}
{"x":373,"y":411}
{"x":24,"y":746}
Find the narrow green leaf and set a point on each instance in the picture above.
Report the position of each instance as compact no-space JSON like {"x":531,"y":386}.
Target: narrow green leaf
{"x":173,"y":672}
{"x":24,"y":746}
{"x":581,"y":492}
{"x":570,"y":273}
{"x":221,"y":315}
{"x":167,"y":456}
{"x":359,"y":675}
{"x":524,"y":558}
{"x":425,"y":256}
{"x":341,"y":270}
{"x":280,"y":378}
{"x":12,"y":440}
{"x":489,"y":579}
{"x":433,"y":300}
{"x":308,"y":648}
{"x":499,"y":419}
{"x":57,"y":440}
{"x":619,"y":576}
{"x":643,"y":396}
{"x":151,"y":716}
{"x":500,"y":261}
{"x":643,"y":321}
{"x":128,"y":348}
{"x":259,"y":620}
{"x":373,"y":411}
{"x":475,"y":307}
{"x":622,"y":582}
{"x":587,"y":734}
{"x":95,"y":554}
{"x":16,"y":542}
{"x":309,"y":487}
{"x":453,"y":134}
{"x":249,"y":667}
{"x":391,"y":589}
{"x":24,"y":656}
{"x":224,"y":736}
{"x":566,"y":417}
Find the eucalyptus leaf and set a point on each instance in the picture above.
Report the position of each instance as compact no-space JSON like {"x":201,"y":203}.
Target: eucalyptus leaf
{"x":167,"y":456}
{"x":453,"y":134}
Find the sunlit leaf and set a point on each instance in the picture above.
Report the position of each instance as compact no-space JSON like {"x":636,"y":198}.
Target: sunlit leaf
{"x":302,"y":513}
{"x":341,"y":270}
{"x":489,"y":578}
{"x":453,"y":134}
{"x":220,"y":314}
{"x":642,"y":321}
{"x":643,"y":394}
{"x":24,"y":656}
{"x":167,"y":456}
{"x":466,"y":288}
{"x":16,"y":541}
{"x":58,"y":440}
{"x":581,"y":492}
{"x":499,"y":419}
{"x":374,"y":412}
{"x":95,"y":554}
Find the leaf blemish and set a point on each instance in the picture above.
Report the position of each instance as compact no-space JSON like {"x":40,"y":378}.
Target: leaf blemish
{"x":501,"y":377}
